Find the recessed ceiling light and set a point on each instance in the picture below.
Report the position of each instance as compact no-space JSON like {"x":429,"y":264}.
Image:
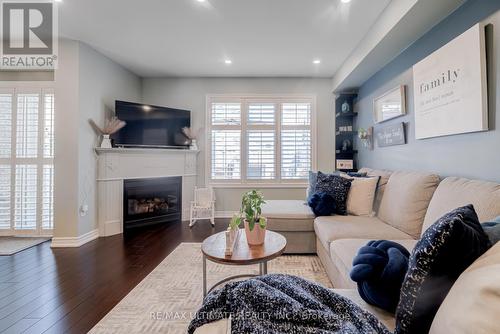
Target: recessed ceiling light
{"x":316,"y":61}
{"x":343,"y":1}
{"x":58,"y":0}
{"x":228,"y":61}
{"x":201,"y":0}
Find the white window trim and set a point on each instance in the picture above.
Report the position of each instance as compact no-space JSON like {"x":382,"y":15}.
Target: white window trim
{"x":276,"y":98}
{"x":20,"y":87}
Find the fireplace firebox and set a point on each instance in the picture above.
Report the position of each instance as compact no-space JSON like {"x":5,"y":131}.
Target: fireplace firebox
{"x":151,"y":201}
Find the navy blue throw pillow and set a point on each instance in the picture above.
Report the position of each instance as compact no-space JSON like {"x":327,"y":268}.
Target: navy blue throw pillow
{"x":379,"y":270}
{"x":446,"y":249}
{"x":357,"y":174}
{"x":322,"y":204}
{"x":336,"y":186}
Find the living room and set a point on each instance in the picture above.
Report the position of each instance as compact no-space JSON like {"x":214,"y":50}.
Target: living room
{"x":214,"y":166}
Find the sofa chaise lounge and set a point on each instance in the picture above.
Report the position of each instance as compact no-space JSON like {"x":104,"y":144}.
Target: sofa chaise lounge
{"x":406,"y":204}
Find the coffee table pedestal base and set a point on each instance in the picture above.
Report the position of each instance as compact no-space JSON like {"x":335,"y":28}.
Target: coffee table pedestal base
{"x":262,"y":271}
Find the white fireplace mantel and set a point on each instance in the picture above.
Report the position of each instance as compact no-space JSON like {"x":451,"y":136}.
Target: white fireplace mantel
{"x":118,"y":164}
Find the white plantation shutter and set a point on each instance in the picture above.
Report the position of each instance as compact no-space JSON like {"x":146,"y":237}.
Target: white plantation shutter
{"x":295,"y":154}
{"x":5,"y":196}
{"x":296,"y":114}
{"x":27,"y":125}
{"x":48,"y":197}
{"x":261,"y":140}
{"x":261,"y":155}
{"x":5,"y":125}
{"x":48,"y":126}
{"x":226,"y":155}
{"x":261,"y":113}
{"x":26,"y":161}
{"x":25,"y":210}
{"x":296,"y":141}
{"x":226,"y":113}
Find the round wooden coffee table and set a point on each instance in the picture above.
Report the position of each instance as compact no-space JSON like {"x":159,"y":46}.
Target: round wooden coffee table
{"x":214,"y":247}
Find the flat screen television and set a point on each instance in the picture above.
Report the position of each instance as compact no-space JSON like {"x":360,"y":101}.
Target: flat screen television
{"x":151,"y":126}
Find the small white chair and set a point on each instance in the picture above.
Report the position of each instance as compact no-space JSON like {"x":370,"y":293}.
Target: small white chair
{"x":203,"y":206}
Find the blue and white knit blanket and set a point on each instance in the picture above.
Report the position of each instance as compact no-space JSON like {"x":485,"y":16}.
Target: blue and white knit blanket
{"x":278,"y":303}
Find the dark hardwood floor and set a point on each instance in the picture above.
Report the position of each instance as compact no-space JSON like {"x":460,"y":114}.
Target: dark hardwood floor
{"x":68,"y":290}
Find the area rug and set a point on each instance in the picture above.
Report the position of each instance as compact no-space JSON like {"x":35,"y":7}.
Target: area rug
{"x":168,"y":297}
{"x":12,"y":245}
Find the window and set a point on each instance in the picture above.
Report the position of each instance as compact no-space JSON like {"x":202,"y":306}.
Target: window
{"x":26,"y":160}
{"x":260,"y":139}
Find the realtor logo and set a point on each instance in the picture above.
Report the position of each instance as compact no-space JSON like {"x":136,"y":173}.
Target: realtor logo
{"x":29,"y":35}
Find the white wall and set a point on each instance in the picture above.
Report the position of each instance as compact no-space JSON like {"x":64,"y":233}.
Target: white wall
{"x":66,"y":141}
{"x":87,"y":84}
{"x":190,"y":93}
{"x":102,"y":81}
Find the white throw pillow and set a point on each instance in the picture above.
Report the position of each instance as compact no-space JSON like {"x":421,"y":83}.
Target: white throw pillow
{"x":361,"y":195}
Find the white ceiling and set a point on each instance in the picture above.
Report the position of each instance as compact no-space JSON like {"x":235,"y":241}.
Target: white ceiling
{"x":265,"y":38}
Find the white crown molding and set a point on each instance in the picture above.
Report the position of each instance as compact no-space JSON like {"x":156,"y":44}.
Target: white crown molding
{"x":74,"y":241}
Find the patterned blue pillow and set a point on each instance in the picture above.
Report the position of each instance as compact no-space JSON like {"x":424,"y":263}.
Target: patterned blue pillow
{"x":313,"y":179}
{"x":337,"y":187}
{"x":446,"y":249}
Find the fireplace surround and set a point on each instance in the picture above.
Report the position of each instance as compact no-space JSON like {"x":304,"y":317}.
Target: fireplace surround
{"x":118,"y":166}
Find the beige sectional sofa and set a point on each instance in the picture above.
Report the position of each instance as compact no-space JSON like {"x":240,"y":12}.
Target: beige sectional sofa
{"x":406,"y":204}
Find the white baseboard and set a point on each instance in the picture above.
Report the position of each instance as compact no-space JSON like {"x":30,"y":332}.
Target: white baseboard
{"x":224,"y":214}
{"x":75,"y":241}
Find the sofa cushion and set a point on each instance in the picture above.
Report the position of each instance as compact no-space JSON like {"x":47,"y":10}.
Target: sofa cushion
{"x":288,"y":215}
{"x":473,"y":303}
{"x":406,"y":198}
{"x":333,"y":228}
{"x":384,"y":177}
{"x":454,"y":192}
{"x":343,"y":251}
{"x":385,"y":317}
{"x":222,"y":326}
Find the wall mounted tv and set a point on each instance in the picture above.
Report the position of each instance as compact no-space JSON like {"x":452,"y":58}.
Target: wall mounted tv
{"x":151,"y":126}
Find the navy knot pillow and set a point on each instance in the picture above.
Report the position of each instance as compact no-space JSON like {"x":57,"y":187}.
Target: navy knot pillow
{"x":379,"y":269}
{"x":322,"y":204}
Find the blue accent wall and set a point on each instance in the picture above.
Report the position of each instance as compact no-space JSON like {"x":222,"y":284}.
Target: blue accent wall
{"x":475,"y":155}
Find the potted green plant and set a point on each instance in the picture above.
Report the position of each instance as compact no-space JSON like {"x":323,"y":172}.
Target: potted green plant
{"x":250,"y":213}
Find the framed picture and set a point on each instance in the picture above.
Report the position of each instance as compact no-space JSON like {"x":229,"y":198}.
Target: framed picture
{"x":345,"y":164}
{"x":450,"y":87}
{"x":390,"y":105}
{"x":391,"y":135}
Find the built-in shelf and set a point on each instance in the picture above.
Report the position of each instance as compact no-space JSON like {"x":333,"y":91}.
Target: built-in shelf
{"x":344,"y":132}
{"x":346,"y":115}
{"x":143,"y":150}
